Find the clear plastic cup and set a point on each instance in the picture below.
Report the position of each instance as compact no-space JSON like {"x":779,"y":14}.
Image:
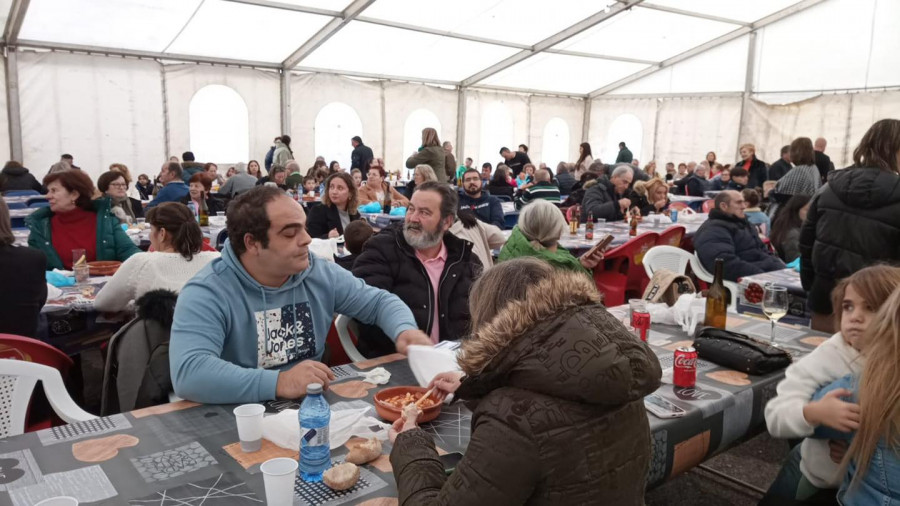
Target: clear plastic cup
{"x":82,"y":273}
{"x":249,"y":424}
{"x":78,"y":255}
{"x":278,"y":476}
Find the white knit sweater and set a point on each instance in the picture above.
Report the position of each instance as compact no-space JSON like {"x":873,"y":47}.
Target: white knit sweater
{"x":832,"y":360}
{"x":144,"y":272}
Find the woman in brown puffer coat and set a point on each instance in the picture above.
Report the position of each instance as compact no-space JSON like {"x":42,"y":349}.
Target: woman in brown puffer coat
{"x":556,"y":386}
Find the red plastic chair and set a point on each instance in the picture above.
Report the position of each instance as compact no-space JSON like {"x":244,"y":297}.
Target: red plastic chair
{"x":708,"y":205}
{"x":623,"y":271}
{"x":31,"y":350}
{"x":678,"y":206}
{"x":672,"y":236}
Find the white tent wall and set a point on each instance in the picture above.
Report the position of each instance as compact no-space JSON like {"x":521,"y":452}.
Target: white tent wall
{"x":688,"y":128}
{"x":483,"y":145}
{"x":311,"y":92}
{"x":866,"y":109}
{"x":544,"y":109}
{"x":5,"y":153}
{"x":259,"y":89}
{"x":401,"y":100}
{"x":101,"y":110}
{"x":604,"y":138}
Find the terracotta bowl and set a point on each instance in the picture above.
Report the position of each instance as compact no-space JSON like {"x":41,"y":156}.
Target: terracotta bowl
{"x":390,"y":413}
{"x":104,"y":267}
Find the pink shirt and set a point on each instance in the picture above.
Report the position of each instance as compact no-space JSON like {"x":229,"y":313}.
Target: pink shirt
{"x":435,"y":267}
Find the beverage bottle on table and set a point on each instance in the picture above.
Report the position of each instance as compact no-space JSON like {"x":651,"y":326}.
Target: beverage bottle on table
{"x":634,"y":223}
{"x":717,"y":299}
{"x":315,"y":452}
{"x":589,"y":227}
{"x":203,"y":214}
{"x":576,"y":217}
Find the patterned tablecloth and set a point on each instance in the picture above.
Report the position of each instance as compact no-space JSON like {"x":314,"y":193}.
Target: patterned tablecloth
{"x":183,"y":452}
{"x":751,"y":292}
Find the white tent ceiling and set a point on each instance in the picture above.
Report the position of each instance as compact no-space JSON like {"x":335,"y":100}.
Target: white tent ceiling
{"x":569,"y":47}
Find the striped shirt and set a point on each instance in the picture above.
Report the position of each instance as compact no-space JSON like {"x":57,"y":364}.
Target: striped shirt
{"x":544,"y":190}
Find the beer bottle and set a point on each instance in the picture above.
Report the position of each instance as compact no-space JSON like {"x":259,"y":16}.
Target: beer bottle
{"x":576,"y":217}
{"x":634,"y":224}
{"x":717,"y":299}
{"x":589,"y":227}
{"x":203,"y":213}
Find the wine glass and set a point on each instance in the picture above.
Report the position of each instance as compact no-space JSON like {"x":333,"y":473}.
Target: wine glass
{"x":774,"y":305}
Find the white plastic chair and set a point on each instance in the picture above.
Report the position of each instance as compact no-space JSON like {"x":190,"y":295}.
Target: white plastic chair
{"x":17,"y":381}
{"x":666,"y":257}
{"x":704,"y":275}
{"x":345,"y":325}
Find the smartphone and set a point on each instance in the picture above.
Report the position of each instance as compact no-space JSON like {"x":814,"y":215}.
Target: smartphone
{"x":600,"y":245}
{"x":450,"y":461}
{"x":662,"y":407}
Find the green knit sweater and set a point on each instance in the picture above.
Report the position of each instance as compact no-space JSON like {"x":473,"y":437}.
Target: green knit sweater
{"x":519,"y":246}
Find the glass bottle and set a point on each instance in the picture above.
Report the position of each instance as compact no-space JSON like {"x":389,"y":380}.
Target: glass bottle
{"x":717,"y":299}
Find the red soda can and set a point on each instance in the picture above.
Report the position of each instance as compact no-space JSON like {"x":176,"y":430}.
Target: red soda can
{"x":684,"y":373}
{"x":640,"y":321}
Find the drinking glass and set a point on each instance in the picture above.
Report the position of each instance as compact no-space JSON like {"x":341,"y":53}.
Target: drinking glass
{"x":78,"y":255}
{"x":774,"y":305}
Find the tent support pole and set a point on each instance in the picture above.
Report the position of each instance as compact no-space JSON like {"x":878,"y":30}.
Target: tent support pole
{"x":285,"y":102}
{"x":748,"y":89}
{"x":12,"y":104}
{"x":383,"y":123}
{"x":461,"y":103}
{"x":528,"y":124}
{"x":847,"y":154}
{"x":586,"y":121}
{"x":165,"y":106}
{"x":655,"y":128}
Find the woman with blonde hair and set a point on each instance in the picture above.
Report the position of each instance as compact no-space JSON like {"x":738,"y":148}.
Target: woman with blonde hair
{"x":650,"y":196}
{"x":422,"y":173}
{"x":557,"y":386}
{"x":431,"y":153}
{"x":755,"y":167}
{"x":537,"y":234}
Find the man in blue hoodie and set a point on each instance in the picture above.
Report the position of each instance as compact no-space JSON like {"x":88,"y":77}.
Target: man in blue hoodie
{"x":251,"y":325}
{"x":487,"y":208}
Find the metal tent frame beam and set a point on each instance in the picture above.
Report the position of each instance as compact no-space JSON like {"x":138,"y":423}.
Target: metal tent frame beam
{"x":693,"y":14}
{"x":728,"y":37}
{"x":349,"y":14}
{"x":14,"y":21}
{"x":551,"y":41}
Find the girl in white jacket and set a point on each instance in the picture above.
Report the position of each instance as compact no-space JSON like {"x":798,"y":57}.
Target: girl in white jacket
{"x":812,"y":468}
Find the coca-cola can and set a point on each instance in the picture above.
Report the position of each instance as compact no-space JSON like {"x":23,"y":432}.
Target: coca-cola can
{"x":684,"y":372}
{"x":640,"y":321}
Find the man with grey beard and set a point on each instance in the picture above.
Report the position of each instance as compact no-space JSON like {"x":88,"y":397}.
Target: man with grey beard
{"x":430,"y":269}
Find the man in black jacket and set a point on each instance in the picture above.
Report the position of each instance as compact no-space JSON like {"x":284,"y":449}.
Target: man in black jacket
{"x":728,"y":235}
{"x":486,"y":207}
{"x":781,"y":166}
{"x":697,"y":184}
{"x":609,"y":199}
{"x":361,"y":157}
{"x":823,"y":161}
{"x":430,"y":269}
{"x":515,"y":161}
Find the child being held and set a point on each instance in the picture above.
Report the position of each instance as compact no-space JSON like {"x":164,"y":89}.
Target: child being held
{"x":356,"y":233}
{"x":809,"y":471}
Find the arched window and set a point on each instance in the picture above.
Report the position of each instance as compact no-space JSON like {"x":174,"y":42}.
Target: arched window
{"x":497,"y":131}
{"x":626,"y":128}
{"x":556,"y":143}
{"x":412,"y":129}
{"x":336,"y":124}
{"x":219,"y":125}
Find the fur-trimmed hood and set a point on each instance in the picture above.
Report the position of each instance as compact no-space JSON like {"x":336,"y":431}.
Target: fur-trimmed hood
{"x":157,"y":305}
{"x":560,"y":341}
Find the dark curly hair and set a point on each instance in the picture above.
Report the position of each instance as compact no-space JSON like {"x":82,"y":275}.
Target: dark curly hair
{"x":178,"y":221}
{"x":247,"y":215}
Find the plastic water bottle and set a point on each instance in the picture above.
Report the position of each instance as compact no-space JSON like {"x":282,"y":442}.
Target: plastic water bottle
{"x":193,"y":207}
{"x":315,"y":452}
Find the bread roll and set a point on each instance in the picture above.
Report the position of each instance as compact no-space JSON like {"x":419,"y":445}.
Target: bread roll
{"x":365,"y":452}
{"x":341,"y":476}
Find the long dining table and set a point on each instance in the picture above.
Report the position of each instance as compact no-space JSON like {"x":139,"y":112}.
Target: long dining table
{"x":178,"y":453}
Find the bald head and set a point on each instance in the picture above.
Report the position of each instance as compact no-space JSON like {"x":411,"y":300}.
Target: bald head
{"x":542,"y":175}
{"x":820,"y":144}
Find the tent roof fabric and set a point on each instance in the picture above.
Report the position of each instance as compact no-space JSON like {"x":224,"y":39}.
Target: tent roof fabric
{"x":583,"y":48}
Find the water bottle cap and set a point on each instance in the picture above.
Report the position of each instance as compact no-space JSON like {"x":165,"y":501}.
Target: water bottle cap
{"x":314,"y":388}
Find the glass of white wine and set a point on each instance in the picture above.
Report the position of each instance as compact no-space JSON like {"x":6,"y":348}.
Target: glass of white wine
{"x":775,"y":305}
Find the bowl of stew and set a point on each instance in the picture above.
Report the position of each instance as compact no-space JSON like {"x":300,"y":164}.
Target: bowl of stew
{"x":390,"y":401}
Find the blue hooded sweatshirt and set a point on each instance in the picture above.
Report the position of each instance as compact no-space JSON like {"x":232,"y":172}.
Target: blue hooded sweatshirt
{"x":231,"y":335}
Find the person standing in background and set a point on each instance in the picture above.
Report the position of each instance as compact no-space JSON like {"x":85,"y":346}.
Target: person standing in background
{"x":361,"y":157}
{"x":625,"y":155}
{"x":823,"y":161}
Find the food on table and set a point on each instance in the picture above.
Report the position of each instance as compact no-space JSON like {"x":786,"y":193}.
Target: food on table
{"x":399,"y":401}
{"x":754,"y":293}
{"x":365,"y":452}
{"x":81,"y":260}
{"x":341,"y":476}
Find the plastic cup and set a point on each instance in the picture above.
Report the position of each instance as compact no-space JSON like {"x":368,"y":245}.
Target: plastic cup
{"x":636,"y":304}
{"x":82,"y":273}
{"x":249,"y":424}
{"x":78,"y":254}
{"x":59,"y":501}
{"x":220,"y":214}
{"x":279,"y":475}
{"x":601,"y":220}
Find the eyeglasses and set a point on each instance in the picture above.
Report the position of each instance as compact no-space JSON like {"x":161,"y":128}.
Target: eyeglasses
{"x":119,"y":185}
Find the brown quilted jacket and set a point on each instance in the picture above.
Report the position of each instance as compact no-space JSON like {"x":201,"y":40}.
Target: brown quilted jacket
{"x":556,"y":386}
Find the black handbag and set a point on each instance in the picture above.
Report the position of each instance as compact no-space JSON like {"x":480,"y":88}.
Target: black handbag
{"x":739,"y":352}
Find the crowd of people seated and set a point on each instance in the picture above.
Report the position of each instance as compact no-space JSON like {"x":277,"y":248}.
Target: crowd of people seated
{"x":433,"y":277}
